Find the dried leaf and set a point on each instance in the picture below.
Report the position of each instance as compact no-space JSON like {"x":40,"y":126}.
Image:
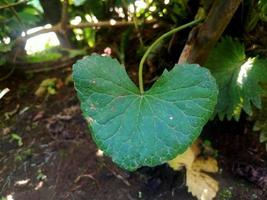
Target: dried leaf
{"x":198,"y":182}
{"x":186,"y":159}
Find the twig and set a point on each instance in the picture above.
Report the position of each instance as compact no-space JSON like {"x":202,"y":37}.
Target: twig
{"x":64,"y":14}
{"x":90,"y":176}
{"x":58,"y":28}
{"x":118,"y":176}
{"x":63,"y":31}
{"x":139,"y":35}
{"x":154,"y":44}
{"x":4,"y":92}
{"x":13,"y":4}
{"x":107,"y":24}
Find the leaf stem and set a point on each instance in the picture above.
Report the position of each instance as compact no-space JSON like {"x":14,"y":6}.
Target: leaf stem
{"x":154,"y":44}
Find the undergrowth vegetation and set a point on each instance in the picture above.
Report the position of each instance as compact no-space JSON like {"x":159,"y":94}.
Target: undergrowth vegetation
{"x":151,"y":78}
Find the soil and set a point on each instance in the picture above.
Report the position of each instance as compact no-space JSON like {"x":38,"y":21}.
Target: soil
{"x":57,"y":158}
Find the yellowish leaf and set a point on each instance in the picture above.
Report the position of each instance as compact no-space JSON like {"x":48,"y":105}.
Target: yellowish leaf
{"x":186,"y":159}
{"x":208,"y":164}
{"x":46,"y":86}
{"x":200,"y":184}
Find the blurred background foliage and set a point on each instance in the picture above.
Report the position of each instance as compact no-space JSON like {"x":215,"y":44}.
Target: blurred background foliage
{"x":28,"y":16}
{"x":34,"y":32}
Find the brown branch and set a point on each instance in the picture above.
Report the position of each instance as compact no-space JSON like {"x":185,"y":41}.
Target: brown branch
{"x":203,"y":37}
{"x":64,"y":33}
{"x":58,"y":27}
{"x":64,"y":15}
{"x":106,"y":24}
{"x":55,"y":28}
{"x":13,"y":4}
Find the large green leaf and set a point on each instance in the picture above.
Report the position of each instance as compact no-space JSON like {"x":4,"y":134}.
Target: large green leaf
{"x":143,"y":130}
{"x":237,"y":77}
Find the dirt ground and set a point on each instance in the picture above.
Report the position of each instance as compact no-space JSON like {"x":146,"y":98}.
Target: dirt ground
{"x":57,"y":159}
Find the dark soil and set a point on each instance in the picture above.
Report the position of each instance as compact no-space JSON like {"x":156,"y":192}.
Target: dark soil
{"x":59,"y":160}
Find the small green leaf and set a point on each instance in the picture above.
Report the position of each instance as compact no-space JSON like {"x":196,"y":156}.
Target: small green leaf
{"x":17,"y":138}
{"x":143,"y":130}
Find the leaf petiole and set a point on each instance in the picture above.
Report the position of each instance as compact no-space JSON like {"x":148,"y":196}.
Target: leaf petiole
{"x":154,"y":44}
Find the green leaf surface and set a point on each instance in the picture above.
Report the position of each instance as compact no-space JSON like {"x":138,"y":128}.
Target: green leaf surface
{"x":260,"y":119}
{"x":237,"y":77}
{"x":143,"y":130}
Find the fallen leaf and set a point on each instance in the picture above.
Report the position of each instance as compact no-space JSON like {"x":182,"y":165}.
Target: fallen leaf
{"x":199,"y":183}
{"x":186,"y":159}
{"x":47,"y":86}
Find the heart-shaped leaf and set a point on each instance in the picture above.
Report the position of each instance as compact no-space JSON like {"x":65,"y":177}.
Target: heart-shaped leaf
{"x":143,"y":130}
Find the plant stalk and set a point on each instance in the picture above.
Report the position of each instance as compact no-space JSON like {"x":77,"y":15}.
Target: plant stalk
{"x":154,"y":44}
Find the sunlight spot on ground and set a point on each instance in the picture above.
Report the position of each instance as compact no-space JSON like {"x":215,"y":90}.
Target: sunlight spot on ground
{"x":40,"y":42}
{"x":9,"y":197}
{"x":244,"y":70}
{"x":22,"y":182}
{"x":99,"y":153}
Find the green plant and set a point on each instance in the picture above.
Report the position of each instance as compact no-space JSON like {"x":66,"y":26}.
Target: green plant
{"x":144,"y":128}
{"x":226,"y":194}
{"x":23,"y":155}
{"x":260,"y":118}
{"x":43,"y":56}
{"x":257,"y":11}
{"x":15,"y":137}
{"x":40,"y":175}
{"x":4,"y":50}
{"x":13,"y":20}
{"x":238,"y":78}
